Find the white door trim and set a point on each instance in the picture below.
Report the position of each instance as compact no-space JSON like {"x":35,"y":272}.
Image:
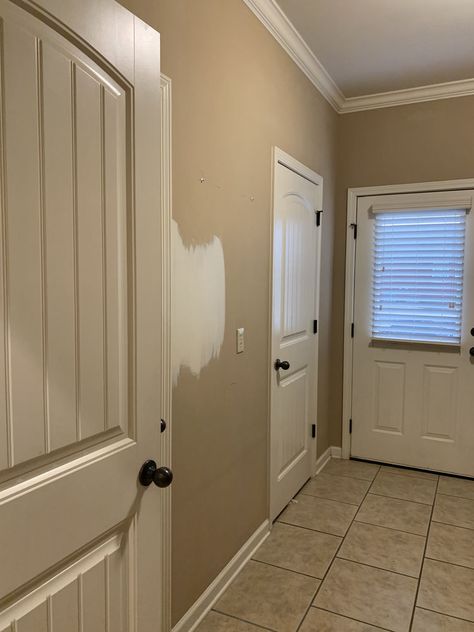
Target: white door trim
{"x":165,"y":451}
{"x":281,"y":157}
{"x":352,"y":196}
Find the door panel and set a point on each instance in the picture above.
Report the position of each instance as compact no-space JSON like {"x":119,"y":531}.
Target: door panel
{"x":296,"y":247}
{"x":412,"y":402}
{"x":80,"y":340}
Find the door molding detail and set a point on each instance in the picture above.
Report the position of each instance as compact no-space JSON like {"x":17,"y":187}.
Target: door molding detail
{"x":353,"y":194}
{"x":165,"y":444}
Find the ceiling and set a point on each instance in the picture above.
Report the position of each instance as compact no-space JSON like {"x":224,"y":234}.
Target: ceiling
{"x":373,"y":46}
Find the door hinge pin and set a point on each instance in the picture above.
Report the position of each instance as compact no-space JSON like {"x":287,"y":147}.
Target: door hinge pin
{"x":318,"y":217}
{"x":354,"y":228}
{"x":315,"y":326}
{"x":352,"y":330}
{"x":313,"y":431}
{"x":350,"y":426}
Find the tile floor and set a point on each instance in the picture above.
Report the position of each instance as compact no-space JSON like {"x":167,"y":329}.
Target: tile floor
{"x":361,"y":548}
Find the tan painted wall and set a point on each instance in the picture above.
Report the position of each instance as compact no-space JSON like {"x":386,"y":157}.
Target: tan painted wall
{"x":235,"y":94}
{"x":414,"y":143}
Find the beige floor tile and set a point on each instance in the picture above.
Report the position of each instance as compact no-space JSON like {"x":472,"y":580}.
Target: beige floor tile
{"x":216,"y":622}
{"x":452,"y":510}
{"x":404,"y":487}
{"x":321,"y":621}
{"x":426,"y":621}
{"x":403,"y":471}
{"x":451,"y":544}
{"x":384,"y":548}
{"x":341,"y":488}
{"x":371,"y":595}
{"x":354,"y":469}
{"x":268,"y":596}
{"x":447,"y":589}
{"x":453,"y":486}
{"x":299,"y":550}
{"x":395,"y":513}
{"x":320,"y":514}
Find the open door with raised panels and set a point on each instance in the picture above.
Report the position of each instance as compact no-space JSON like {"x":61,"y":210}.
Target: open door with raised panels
{"x":80,"y":317}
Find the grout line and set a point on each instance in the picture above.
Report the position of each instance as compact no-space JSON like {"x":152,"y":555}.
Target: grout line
{"x":417,"y":502}
{"x":343,"y":616}
{"x":379,"y":568}
{"x":423,"y":562}
{"x":332,"y":562}
{"x":444,"y":614}
{"x":310,"y":529}
{"x":343,"y":502}
{"x":453,"y":496}
{"x":233,"y":616}
{"x":450,"y":524}
{"x":382,"y":526}
{"x":288,"y":570}
{"x":435,"y":559}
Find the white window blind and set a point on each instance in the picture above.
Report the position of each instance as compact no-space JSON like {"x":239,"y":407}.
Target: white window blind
{"x":418,"y":276}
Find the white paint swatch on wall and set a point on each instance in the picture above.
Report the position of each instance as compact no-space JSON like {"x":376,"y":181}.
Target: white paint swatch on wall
{"x":198,"y":303}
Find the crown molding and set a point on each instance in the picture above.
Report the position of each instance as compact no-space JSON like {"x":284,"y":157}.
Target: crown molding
{"x":277,"y":23}
{"x":273,"y":18}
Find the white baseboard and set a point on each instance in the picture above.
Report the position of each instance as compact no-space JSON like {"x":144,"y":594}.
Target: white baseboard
{"x":336,"y":452}
{"x":201,"y":607}
{"x":333,"y":452}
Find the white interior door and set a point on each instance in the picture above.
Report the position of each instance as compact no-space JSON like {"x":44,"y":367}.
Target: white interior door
{"x":296,"y":260}
{"x":413,"y":375}
{"x":80,"y":317}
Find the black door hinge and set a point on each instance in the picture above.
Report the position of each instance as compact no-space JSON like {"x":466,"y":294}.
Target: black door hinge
{"x":313,"y":430}
{"x":350,"y":426}
{"x":315,"y":326}
{"x":352,"y":330}
{"x":354,"y":227}
{"x":318,"y":218}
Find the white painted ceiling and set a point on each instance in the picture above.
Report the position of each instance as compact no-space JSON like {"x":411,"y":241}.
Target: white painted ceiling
{"x":371,"y":46}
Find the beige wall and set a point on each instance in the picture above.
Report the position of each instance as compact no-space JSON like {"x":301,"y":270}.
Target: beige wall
{"x":235,"y":94}
{"x":413,"y":143}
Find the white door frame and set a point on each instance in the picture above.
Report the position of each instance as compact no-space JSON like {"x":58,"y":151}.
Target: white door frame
{"x":282,"y":158}
{"x":352,"y":196}
{"x":165,"y":448}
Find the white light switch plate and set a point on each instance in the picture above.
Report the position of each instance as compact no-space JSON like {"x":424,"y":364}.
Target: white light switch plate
{"x":240,"y":340}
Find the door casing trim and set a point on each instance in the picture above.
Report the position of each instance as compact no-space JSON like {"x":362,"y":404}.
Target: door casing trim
{"x":353,"y":194}
{"x":166,"y":385}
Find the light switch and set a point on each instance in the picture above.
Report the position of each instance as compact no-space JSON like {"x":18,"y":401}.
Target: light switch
{"x":240,"y":340}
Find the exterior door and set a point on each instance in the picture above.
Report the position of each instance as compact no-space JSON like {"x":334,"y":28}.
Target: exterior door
{"x":80,"y":312}
{"x":413,"y":372}
{"x":296,"y":259}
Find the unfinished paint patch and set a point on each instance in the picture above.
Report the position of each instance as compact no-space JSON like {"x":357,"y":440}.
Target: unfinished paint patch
{"x":198,"y":303}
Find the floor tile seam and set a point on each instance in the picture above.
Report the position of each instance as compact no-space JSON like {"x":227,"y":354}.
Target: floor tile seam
{"x":344,"y":616}
{"x":288,"y":570}
{"x":422,"y":562}
{"x":435,"y":559}
{"x":408,"y":476}
{"x":454,"y":496}
{"x":233,"y":616}
{"x":451,"y":524}
{"x":382,"y":526}
{"x":408,"y":500}
{"x":292,"y":524}
{"x":329,"y":567}
{"x":444,"y":614}
{"x":379,"y":568}
{"x":343,"y":502}
{"x":353,"y":478}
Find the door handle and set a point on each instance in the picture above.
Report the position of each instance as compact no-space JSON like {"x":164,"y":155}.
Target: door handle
{"x":281,"y":364}
{"x":150,"y":473}
{"x":471,"y":352}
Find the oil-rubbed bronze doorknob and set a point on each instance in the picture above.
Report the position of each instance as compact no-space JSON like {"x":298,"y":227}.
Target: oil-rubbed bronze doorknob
{"x":281,"y":364}
{"x":150,"y":473}
{"x":471,"y":352}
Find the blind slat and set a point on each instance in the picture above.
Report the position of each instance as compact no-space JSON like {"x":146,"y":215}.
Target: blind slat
{"x":418,"y":275}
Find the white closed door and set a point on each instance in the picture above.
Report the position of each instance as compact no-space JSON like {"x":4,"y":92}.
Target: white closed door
{"x":80,"y":318}
{"x":296,"y":257}
{"x":413,"y":372}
